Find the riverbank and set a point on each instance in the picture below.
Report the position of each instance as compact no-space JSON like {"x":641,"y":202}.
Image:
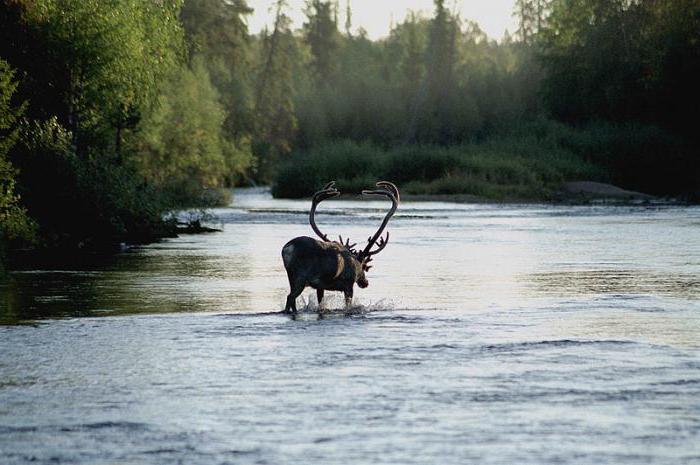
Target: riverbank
{"x":541,"y":161}
{"x":570,"y":193}
{"x":499,"y":169}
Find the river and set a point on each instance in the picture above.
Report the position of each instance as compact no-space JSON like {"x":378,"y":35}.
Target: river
{"x":490,"y":334}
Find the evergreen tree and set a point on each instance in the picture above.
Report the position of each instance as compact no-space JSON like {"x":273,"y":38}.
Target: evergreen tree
{"x":435,"y":103}
{"x":531,"y":15}
{"x":14,"y":223}
{"x":217,"y":31}
{"x":322,"y":37}
{"x":275,"y":118}
{"x":348,"y":20}
{"x":412,"y":64}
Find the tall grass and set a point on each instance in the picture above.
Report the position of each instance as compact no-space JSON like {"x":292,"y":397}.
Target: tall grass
{"x":508,"y":167}
{"x":530,"y":162}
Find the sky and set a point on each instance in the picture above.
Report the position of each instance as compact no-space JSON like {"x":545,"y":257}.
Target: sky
{"x":375,"y":16}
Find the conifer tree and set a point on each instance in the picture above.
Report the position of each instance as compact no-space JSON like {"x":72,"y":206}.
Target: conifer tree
{"x":321,"y":35}
{"x":275,"y":120}
{"x":348,"y":19}
{"x":217,"y":30}
{"x":531,"y":15}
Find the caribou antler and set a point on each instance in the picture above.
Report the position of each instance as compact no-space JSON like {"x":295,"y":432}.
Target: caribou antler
{"x":392,"y":187}
{"x":389,"y":190}
{"x":327,"y":192}
{"x":348,"y":245}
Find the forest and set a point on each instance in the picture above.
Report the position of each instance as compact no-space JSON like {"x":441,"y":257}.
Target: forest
{"x":113,"y":113}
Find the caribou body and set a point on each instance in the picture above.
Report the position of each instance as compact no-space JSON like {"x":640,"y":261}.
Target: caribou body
{"x":327,"y":265}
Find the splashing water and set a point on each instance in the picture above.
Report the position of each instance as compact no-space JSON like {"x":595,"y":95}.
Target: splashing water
{"x":334,"y":306}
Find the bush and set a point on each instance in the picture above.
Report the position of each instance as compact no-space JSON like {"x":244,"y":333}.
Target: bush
{"x":530,"y":161}
{"x":349,"y":163}
{"x":633,"y":155}
{"x":514,"y":166}
{"x":82,"y":202}
{"x":15,"y":226}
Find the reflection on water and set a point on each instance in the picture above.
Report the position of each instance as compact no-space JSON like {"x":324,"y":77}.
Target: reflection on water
{"x":134,"y":282}
{"x":489,"y":334}
{"x":639,"y":282}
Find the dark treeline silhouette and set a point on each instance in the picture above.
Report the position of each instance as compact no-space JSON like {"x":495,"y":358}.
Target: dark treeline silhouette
{"x":111,"y":113}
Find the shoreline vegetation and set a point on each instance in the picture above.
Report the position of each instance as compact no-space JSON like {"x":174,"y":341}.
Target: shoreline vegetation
{"x":579,"y":193}
{"x":570,"y":193}
{"x":541,"y":161}
{"x":564,"y":196}
{"x":113,"y":114}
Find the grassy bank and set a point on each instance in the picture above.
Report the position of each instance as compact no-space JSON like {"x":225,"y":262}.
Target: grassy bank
{"x":498,"y":169}
{"x":529,"y":163}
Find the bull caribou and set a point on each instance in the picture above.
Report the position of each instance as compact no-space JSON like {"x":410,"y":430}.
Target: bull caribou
{"x":327,"y":265}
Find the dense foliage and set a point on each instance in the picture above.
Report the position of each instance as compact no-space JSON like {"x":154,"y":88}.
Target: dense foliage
{"x":113,"y":112}
{"x":625,"y":62}
{"x":618,"y":72}
{"x":120,"y":121}
{"x":14,"y":223}
{"x":522,"y":167}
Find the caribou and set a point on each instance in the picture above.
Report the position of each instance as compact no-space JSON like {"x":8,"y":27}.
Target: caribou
{"x":327,"y":265}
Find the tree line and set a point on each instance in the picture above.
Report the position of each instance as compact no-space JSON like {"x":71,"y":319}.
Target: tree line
{"x":112,"y":113}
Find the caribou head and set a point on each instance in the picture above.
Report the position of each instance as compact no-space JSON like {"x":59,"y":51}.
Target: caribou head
{"x":327,"y":265}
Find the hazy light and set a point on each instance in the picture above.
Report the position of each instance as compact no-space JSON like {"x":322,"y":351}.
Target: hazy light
{"x":375,"y":16}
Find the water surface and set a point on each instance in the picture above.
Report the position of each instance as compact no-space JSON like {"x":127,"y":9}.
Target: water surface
{"x":489,"y":334}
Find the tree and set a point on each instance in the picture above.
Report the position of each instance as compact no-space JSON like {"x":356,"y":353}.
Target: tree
{"x":531,"y":15}
{"x":412,"y":35}
{"x":182,"y":145}
{"x":275,"y":119}
{"x":217,"y":31}
{"x":14,"y":223}
{"x":88,"y":70}
{"x":322,"y":36}
{"x":629,"y":63}
{"x":433,"y":109}
{"x":92,"y":64}
{"x":348,"y":19}
{"x":622,"y":60}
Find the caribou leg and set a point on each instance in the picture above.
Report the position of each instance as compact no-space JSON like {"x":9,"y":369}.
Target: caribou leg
{"x":291,"y":306}
{"x":297,"y":288}
{"x":348,"y":298}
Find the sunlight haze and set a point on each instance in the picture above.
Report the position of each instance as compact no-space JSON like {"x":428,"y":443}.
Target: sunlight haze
{"x":494,"y":16}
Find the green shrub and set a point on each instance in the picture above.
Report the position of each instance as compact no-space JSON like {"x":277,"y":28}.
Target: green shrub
{"x":14,"y":223}
{"x":418,"y":163}
{"x":349,"y":163}
{"x":515,"y":166}
{"x":78,"y":202}
{"x":532,"y":160}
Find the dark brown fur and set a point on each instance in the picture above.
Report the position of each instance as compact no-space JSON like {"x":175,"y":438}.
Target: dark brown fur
{"x":324,"y":266}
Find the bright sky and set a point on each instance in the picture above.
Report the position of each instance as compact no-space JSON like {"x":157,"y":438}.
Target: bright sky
{"x":494,"y":16}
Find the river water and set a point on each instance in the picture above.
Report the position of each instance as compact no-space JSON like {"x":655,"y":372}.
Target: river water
{"x":491,"y":334}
